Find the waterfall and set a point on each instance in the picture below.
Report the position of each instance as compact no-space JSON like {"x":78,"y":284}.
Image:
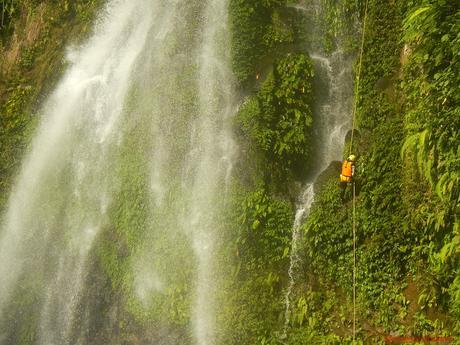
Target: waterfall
{"x":61,"y":197}
{"x":303,"y":208}
{"x":154,"y":80}
{"x":332,"y":116}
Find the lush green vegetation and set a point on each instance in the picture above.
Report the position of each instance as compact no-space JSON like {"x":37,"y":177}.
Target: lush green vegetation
{"x":274,"y":125}
{"x":431,"y":149}
{"x":278,"y":120}
{"x":407,"y":183}
{"x":259,"y":30}
{"x":260,"y":256}
{"x":407,"y":206}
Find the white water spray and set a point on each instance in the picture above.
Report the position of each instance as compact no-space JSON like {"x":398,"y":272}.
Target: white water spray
{"x":303,"y":209}
{"x":213,"y":137}
{"x":61,"y":197}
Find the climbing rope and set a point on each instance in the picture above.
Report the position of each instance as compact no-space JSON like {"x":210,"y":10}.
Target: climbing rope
{"x":355,"y":106}
{"x":358,"y":77}
{"x":354,"y":264}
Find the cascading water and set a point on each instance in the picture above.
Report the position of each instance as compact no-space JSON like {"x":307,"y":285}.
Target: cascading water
{"x":63,"y":192}
{"x":153,"y":82}
{"x":332,"y":114}
{"x":302,"y":211}
{"x":212,"y":149}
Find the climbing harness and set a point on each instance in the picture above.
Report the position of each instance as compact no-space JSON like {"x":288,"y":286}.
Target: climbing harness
{"x":355,"y":105}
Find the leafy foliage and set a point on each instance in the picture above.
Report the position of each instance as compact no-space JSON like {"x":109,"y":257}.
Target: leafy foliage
{"x":266,"y":228}
{"x":262,"y":256}
{"x":279,"y":119}
{"x":258,"y":28}
{"x":433,"y":125}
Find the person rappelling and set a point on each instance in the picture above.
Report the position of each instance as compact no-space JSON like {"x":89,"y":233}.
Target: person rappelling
{"x":348,"y":171}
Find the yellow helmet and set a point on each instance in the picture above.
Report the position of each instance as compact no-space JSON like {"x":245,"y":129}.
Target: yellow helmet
{"x":352,"y":158}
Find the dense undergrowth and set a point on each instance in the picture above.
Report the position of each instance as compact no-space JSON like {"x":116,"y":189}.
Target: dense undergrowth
{"x":431,"y":148}
{"x":274,"y":129}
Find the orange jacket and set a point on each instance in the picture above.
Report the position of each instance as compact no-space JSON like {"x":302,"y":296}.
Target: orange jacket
{"x":348,"y":168}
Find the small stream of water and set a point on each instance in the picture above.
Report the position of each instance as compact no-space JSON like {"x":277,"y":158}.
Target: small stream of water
{"x":332,"y":116}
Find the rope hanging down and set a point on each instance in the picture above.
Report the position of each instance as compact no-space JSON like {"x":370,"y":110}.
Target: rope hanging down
{"x":354,"y":265}
{"x":358,"y":78}
{"x":355,"y":106}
